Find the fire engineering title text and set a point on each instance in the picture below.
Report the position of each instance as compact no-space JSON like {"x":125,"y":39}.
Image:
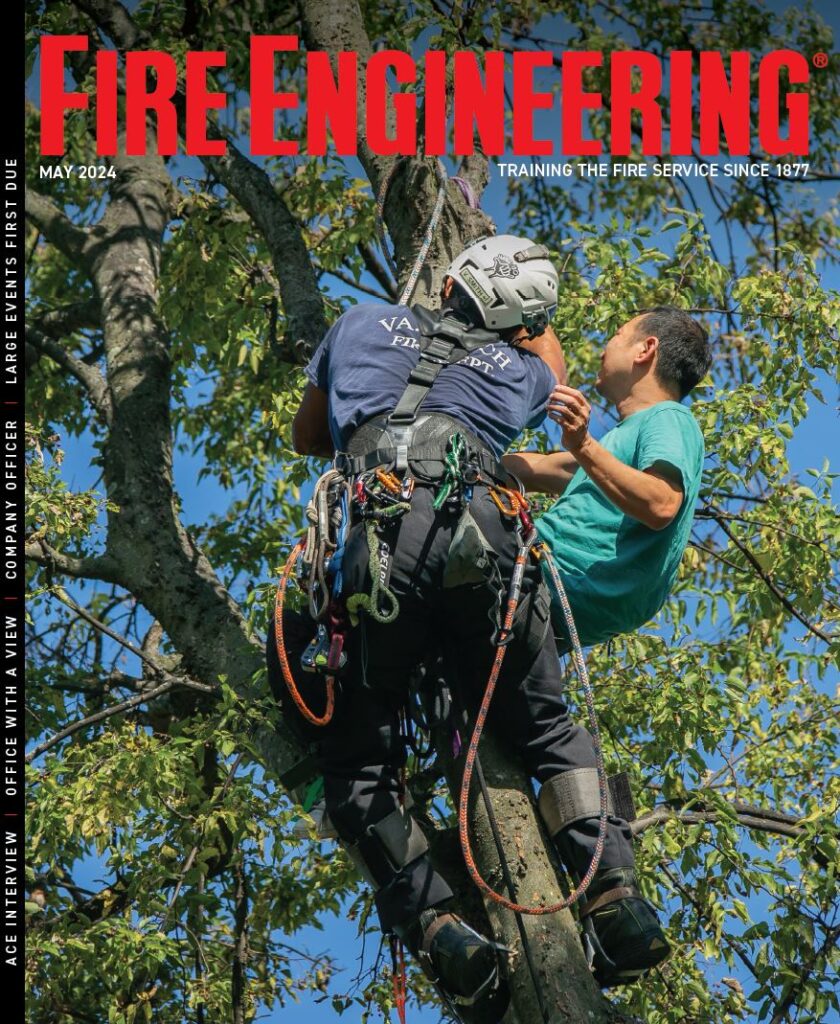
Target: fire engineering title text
{"x":701,"y":92}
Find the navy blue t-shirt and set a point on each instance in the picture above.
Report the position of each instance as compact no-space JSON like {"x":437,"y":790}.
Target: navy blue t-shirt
{"x":365,"y":358}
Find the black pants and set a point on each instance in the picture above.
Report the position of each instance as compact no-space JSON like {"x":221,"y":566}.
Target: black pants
{"x":362,"y":752}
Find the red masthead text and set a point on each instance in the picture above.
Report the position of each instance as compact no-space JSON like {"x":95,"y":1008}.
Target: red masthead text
{"x":658,"y":104}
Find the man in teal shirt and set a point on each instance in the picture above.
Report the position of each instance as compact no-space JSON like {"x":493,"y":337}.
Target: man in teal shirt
{"x":618,"y":532}
{"x":623,"y":518}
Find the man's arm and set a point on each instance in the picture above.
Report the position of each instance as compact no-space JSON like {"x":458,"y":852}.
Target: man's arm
{"x":310,"y":427}
{"x":546,"y":473}
{"x":653,"y":495}
{"x":547,"y":346}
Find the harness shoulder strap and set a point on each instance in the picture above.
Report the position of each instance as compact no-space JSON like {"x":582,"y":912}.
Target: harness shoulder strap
{"x":445,"y":340}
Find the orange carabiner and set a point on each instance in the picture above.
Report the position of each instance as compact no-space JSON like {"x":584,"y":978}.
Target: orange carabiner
{"x":515,"y":500}
{"x":388,"y":481}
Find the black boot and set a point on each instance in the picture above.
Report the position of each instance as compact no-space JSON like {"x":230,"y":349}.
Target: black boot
{"x":464,"y":966}
{"x":620,"y":928}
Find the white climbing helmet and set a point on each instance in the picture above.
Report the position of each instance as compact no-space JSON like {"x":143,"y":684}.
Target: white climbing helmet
{"x":510,"y":279}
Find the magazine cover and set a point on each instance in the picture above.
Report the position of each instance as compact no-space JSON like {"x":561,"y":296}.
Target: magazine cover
{"x":420,"y":512}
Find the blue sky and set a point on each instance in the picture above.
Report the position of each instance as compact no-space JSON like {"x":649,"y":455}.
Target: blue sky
{"x":813,"y":441}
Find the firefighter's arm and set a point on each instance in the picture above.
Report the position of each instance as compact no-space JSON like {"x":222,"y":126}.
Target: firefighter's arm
{"x":310,"y":427}
{"x":547,"y":346}
{"x":546,"y":473}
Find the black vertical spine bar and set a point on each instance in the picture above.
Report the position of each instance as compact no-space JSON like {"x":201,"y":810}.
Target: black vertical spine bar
{"x":13,"y":742}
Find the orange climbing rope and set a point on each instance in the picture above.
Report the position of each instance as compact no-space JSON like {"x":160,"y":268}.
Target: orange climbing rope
{"x":399,"y":984}
{"x":280,"y":642}
{"x":472,"y":749}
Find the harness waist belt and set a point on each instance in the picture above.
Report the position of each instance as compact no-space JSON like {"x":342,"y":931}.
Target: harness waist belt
{"x":380,"y":442}
{"x":432,"y":456}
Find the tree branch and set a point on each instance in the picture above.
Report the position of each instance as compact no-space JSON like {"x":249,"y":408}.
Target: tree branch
{"x":772,"y":586}
{"x":64,"y":320}
{"x":303,"y":304}
{"x":351,"y":282}
{"x":56,"y":227}
{"x":89,"y":377}
{"x":378,"y":270}
{"x":99,"y":716}
{"x":141,"y":653}
{"x":92,"y":567}
{"x":806,"y":968}
{"x":755,"y":818}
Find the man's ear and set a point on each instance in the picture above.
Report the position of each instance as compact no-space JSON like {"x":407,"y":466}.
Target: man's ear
{"x":646,"y":350}
{"x":446,"y":287}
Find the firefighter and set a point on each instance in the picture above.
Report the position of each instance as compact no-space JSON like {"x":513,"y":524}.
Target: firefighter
{"x":416,"y":408}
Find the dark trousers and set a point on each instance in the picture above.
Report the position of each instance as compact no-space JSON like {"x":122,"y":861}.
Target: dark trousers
{"x":361,"y":752}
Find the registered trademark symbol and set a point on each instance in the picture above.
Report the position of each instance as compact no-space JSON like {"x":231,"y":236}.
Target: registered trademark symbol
{"x":820,"y":60}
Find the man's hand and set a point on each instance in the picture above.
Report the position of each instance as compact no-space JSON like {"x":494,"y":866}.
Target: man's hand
{"x":570,"y":409}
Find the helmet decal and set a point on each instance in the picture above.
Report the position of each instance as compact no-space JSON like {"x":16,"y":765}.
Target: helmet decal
{"x":469,"y":278}
{"x":503,"y":266}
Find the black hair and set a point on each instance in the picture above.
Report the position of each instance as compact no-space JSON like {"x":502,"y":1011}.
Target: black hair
{"x":462,"y":303}
{"x":684,"y":355}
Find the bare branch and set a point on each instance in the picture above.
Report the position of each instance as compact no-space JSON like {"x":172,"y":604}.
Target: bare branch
{"x":93,"y":567}
{"x":56,"y":227}
{"x":351,"y":282}
{"x":142,"y":654}
{"x":170,"y":682}
{"x":378,"y":270}
{"x":99,"y":716}
{"x":755,"y":818}
{"x":64,"y":320}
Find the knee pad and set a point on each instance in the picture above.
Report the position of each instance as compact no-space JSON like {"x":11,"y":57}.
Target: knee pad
{"x":387,"y":847}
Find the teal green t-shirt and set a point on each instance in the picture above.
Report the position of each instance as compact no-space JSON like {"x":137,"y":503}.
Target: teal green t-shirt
{"x":618,"y":572}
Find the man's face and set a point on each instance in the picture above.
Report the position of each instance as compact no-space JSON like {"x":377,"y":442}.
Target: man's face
{"x":619,"y":359}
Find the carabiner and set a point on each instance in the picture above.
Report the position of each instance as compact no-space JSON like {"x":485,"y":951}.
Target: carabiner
{"x":388,"y":481}
{"x":515,"y":500}
{"x":407,"y":488}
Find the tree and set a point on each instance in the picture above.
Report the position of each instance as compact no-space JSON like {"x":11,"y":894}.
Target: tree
{"x":196,"y":294}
